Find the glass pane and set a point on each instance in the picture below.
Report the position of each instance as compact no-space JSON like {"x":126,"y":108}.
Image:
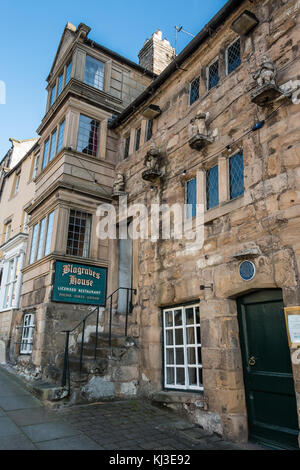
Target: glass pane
{"x":194,"y":90}
{"x":191,"y":198}
{"x":190,"y":335}
{"x":179,"y":336}
{"x":68,"y":72}
{"x":192,"y":376}
{"x":53,"y":145}
{"x":33,"y":244}
{"x":200,"y":376}
{"x":189,"y":316}
{"x":180,"y":376}
{"x":191,"y":354}
{"x":199,"y":356}
{"x":236,"y":175}
{"x":60,"y":136}
{"x":212,"y":187}
{"x":45,"y":156}
{"x":233,"y":56}
{"x":179,"y":356}
{"x":197,"y":315}
{"x":213,"y":75}
{"x":49,"y":233}
{"x":94,"y":72}
{"x":170,"y":356}
{"x":198,"y":335}
{"x":53,"y":95}
{"x":169,"y":337}
{"x":79,"y":233}
{"x":41,"y":238}
{"x":178,"y":317}
{"x":88,"y":135}
{"x":60,"y":83}
{"x":170,"y":376}
{"x":169,"y":318}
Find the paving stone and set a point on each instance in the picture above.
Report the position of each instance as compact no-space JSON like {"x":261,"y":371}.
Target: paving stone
{"x":69,"y":443}
{"x":49,"y":431}
{"x":19,"y":402}
{"x":32,"y":416}
{"x":8,"y":427}
{"x":16,"y":442}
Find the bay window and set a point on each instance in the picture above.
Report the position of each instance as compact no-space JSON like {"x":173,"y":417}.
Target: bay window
{"x":41,"y":238}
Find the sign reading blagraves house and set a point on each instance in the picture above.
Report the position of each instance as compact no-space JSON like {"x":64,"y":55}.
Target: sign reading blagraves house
{"x":79,"y":284}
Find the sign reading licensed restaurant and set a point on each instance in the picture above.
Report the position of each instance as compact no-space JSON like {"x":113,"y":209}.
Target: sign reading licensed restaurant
{"x":79,"y":284}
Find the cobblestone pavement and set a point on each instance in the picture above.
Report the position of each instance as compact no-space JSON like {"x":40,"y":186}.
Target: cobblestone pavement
{"x":25,"y":424}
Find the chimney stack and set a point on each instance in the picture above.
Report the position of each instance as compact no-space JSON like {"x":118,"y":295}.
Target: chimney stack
{"x":156,"y":54}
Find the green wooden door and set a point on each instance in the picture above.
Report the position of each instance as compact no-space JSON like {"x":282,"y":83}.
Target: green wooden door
{"x":270,"y":394}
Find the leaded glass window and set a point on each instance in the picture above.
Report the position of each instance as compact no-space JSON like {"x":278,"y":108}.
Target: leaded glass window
{"x":233,"y":56}
{"x":194,"y":90}
{"x":213,"y":74}
{"x":68,"y":73}
{"x":182,"y":348}
{"x":191,"y":198}
{"x":53,"y":145}
{"x":45,"y":156}
{"x":52,"y":99}
{"x":60,"y":83}
{"x":236,"y":175}
{"x":79,"y":233}
{"x":94,"y":72}
{"x":137,"y":139}
{"x":127,"y":144}
{"x":60,"y":137}
{"x":88,"y":136}
{"x":212,"y":187}
{"x":149,"y":130}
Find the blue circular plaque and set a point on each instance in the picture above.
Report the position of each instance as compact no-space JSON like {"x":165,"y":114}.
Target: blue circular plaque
{"x":247,"y":270}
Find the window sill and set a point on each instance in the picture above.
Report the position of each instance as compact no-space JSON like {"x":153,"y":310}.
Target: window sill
{"x":179,"y":397}
{"x":223,"y":209}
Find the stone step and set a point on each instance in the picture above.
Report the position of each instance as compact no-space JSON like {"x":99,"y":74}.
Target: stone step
{"x":103,"y":339}
{"x":89,"y":365}
{"x":46,"y":391}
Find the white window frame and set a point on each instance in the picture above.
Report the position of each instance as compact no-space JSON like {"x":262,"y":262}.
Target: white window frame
{"x":185,"y":346}
{"x":11,"y":282}
{"x":7,"y":231}
{"x":27,"y":333}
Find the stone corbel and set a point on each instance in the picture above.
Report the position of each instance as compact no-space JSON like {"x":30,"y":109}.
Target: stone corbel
{"x":119,"y":187}
{"x":152,"y":162}
{"x":267,"y":90}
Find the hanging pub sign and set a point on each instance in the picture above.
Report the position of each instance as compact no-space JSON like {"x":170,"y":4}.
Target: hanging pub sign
{"x":292,"y":318}
{"x":79,"y":284}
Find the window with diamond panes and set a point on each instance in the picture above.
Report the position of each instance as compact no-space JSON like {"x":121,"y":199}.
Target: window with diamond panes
{"x":79,"y":234}
{"x":236,"y":175}
{"x":182,"y":348}
{"x":194,"y":90}
{"x":212,"y":187}
{"x":137,"y":139}
{"x":213,"y":75}
{"x":233,"y":56}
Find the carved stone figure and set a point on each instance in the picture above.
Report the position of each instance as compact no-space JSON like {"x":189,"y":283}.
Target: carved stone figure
{"x":200,"y":123}
{"x":119,"y":184}
{"x":152,"y":162}
{"x":267,"y":74}
{"x":152,"y":159}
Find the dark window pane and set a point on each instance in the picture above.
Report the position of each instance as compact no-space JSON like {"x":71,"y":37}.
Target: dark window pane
{"x":52,"y":147}
{"x":45,"y":156}
{"x":170,"y":376}
{"x":60,"y":84}
{"x":169,"y":318}
{"x":212,"y":187}
{"x":194,"y":90}
{"x":137,"y":139}
{"x":178,"y":317}
{"x":68,"y":73}
{"x":191,"y":353}
{"x":236,"y":175}
{"x":179,"y":356}
{"x":53,"y":91}
{"x":213,"y":75}
{"x":189,"y":316}
{"x":60,"y":136}
{"x":190,"y":335}
{"x":149,"y":132}
{"x":170,"y":357}
{"x":169,"y":337}
{"x":78,"y":242}
{"x":192,"y":376}
{"x":88,"y":135}
{"x":127,"y":144}
{"x":233,"y":56}
{"x":179,"y":336}
{"x":180,"y":376}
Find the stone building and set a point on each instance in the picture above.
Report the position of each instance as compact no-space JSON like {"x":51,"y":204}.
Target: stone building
{"x":218,"y":128}
{"x":16,"y":193}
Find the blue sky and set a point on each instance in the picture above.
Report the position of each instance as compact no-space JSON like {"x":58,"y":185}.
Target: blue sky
{"x":31,"y":32}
